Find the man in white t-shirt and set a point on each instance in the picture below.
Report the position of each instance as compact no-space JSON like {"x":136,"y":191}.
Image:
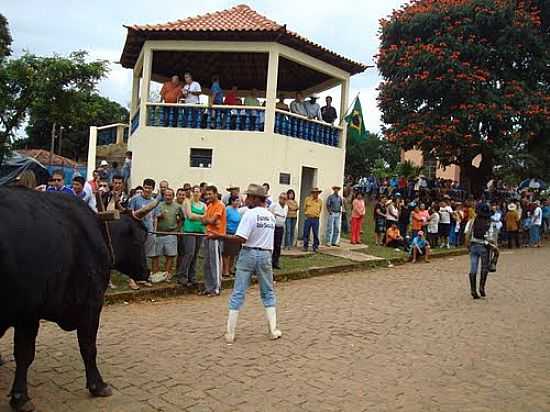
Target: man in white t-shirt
{"x":445,"y":212}
{"x":279,"y":210}
{"x":191,"y":90}
{"x":536,"y":225}
{"x":255,"y":232}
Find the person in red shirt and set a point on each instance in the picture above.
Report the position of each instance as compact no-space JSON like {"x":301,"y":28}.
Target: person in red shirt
{"x":171,"y":92}
{"x":232,"y":99}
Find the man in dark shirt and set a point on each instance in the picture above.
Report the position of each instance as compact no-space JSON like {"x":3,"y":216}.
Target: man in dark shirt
{"x":328,"y":112}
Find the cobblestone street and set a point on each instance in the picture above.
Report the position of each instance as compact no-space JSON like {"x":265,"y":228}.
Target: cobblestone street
{"x":407,"y":338}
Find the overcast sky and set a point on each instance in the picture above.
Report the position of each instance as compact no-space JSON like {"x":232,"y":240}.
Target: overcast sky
{"x":348,"y":27}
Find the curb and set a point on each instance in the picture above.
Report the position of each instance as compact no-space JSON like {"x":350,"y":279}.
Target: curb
{"x":166,"y":291}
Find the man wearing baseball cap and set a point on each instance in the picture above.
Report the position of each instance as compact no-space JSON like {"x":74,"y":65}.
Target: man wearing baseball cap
{"x":255,"y":232}
{"x":420,"y":247}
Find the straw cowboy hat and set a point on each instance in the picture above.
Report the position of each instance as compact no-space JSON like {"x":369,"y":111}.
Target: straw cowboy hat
{"x":316,"y":190}
{"x":512,"y":207}
{"x":256,"y":190}
{"x":336,"y":187}
{"x":232,"y":187}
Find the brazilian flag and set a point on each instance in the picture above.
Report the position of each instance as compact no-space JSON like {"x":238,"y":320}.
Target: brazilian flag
{"x":356,"y":126}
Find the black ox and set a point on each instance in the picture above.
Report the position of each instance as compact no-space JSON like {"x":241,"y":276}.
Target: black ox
{"x":55,"y":264}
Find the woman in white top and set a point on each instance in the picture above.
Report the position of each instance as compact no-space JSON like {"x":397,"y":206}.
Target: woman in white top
{"x":433,"y":226}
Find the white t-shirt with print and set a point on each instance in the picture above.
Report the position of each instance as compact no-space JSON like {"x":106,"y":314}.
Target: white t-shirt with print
{"x":445,"y":214}
{"x":258,"y":227}
{"x":194,"y":87}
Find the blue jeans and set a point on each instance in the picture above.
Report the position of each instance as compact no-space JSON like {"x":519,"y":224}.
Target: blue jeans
{"x":479,"y":252}
{"x":290,"y":231}
{"x":311,"y":224}
{"x":333,"y":228}
{"x":534,"y":234}
{"x":258,"y":262}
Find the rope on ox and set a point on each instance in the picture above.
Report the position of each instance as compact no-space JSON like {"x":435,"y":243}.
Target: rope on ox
{"x":154,"y":232}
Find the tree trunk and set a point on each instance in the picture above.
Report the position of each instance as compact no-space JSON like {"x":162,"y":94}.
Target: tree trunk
{"x":474,"y":179}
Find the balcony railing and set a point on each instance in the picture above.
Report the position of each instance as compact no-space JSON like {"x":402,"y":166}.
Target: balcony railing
{"x":196,"y":116}
{"x":244,"y":118}
{"x":295,"y":125}
{"x":134,"y":123}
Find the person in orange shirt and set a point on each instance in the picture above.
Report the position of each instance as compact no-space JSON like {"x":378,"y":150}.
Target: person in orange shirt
{"x":171,"y":92}
{"x":215,"y":220}
{"x":394,"y":238}
{"x":419,"y":218}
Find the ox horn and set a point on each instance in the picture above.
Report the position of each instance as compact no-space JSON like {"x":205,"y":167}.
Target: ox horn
{"x":141,"y":213}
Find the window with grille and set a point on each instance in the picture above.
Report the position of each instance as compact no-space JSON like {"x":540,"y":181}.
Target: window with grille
{"x":201,"y":158}
{"x":284,"y":178}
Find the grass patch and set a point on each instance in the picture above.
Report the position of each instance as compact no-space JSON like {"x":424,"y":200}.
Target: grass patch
{"x":381,"y":251}
{"x":288,"y":264}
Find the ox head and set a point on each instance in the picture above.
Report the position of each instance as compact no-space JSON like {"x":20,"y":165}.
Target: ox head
{"x":128,"y":238}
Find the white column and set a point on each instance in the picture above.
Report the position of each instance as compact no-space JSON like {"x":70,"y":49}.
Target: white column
{"x":135,"y":93}
{"x":92,"y":147}
{"x":119,"y":134}
{"x":344,"y":104}
{"x":145,"y":84}
{"x":271,"y":88}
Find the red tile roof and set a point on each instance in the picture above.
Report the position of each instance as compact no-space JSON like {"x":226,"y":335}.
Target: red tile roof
{"x":43,"y":156}
{"x":240,"y":19}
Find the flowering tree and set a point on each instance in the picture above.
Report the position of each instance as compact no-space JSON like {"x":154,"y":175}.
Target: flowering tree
{"x":464,"y":78}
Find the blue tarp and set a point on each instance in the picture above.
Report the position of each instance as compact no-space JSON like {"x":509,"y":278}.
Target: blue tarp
{"x":17,"y":164}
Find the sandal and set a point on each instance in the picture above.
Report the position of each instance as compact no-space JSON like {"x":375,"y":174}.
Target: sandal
{"x":132,"y":285}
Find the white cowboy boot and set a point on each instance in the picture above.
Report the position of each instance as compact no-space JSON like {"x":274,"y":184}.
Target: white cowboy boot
{"x":271,"y":314}
{"x":231,"y":326}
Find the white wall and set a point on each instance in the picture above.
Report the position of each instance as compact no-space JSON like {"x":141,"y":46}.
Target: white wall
{"x":239,"y":158}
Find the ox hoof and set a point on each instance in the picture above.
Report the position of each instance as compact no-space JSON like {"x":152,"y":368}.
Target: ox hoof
{"x":101,"y":390}
{"x":21,"y":403}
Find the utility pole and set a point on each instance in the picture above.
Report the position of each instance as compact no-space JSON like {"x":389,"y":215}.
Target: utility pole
{"x":52,"y":143}
{"x":59,"y":150}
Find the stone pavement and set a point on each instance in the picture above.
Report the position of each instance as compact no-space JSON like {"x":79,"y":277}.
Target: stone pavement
{"x":408,"y":338}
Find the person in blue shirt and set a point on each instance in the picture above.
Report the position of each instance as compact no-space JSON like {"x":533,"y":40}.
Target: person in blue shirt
{"x":135,"y":204}
{"x":546,"y":216}
{"x":216,"y":91}
{"x":216,"y":98}
{"x":231,"y":249}
{"x":420,"y":247}
{"x":58,"y":183}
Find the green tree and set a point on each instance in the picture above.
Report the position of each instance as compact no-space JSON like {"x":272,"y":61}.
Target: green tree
{"x":5,"y":38}
{"x":37,"y":84}
{"x":467,"y":78}
{"x":362,"y":154}
{"x":87,"y":109}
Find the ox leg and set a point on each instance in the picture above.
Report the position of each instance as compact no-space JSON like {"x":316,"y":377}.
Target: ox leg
{"x":24,"y":344}
{"x":87,"y":336}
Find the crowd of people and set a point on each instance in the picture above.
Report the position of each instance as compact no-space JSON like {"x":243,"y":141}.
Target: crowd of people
{"x":189,"y":91}
{"x":405,"y":217}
